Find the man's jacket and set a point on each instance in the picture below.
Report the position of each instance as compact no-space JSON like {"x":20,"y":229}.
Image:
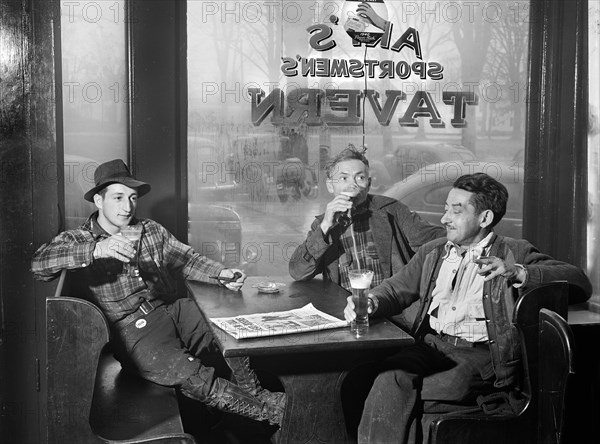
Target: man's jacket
{"x":417,"y":281}
{"x":397,"y":231}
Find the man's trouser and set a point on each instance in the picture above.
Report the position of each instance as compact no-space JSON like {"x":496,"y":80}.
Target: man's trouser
{"x":420,"y":382}
{"x":170,"y":346}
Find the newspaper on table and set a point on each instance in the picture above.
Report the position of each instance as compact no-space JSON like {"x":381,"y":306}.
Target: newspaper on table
{"x":307,"y":318}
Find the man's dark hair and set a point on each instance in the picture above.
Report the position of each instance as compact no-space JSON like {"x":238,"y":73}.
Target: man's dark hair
{"x":488,"y":194}
{"x":350,"y":153}
{"x":103,"y":192}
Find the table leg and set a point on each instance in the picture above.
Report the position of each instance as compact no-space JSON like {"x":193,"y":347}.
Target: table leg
{"x":314,"y":409}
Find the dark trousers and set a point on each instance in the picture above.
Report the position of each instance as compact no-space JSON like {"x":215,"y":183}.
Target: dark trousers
{"x":420,"y":383}
{"x":173,"y":344}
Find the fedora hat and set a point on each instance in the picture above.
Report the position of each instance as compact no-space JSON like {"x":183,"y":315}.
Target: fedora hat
{"x":115,"y":171}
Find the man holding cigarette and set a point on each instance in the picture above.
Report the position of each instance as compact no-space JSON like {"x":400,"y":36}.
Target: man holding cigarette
{"x":466,"y":286}
{"x":155,"y":334}
{"x":358,"y":229}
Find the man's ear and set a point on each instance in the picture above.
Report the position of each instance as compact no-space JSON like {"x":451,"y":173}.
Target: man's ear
{"x":329,"y":185}
{"x":98,"y":201}
{"x":487,"y":217}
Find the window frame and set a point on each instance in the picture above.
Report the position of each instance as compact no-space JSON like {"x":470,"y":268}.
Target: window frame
{"x":555,"y":199}
{"x":556,"y":117}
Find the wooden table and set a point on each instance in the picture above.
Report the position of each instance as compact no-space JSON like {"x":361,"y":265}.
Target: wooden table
{"x":310,"y":365}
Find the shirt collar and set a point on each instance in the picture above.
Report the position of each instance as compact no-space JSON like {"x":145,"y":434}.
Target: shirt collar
{"x":96,"y":229}
{"x":473,"y":251}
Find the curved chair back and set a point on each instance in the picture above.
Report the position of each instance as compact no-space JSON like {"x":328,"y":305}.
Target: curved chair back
{"x":552,"y":296}
{"x":555,"y":367}
{"x":77,"y":333}
{"x":542,"y":414}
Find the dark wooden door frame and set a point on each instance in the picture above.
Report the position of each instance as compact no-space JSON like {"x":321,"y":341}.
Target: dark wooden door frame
{"x":555,"y":193}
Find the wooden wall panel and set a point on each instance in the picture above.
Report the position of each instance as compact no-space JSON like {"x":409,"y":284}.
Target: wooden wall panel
{"x":29,"y":187}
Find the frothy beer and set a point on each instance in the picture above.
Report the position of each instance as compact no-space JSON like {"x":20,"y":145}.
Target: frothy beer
{"x":361,"y":281}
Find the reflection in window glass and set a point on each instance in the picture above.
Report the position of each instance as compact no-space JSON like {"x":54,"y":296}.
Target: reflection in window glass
{"x":94,"y":89}
{"x":593,"y":234}
{"x":278,"y":88}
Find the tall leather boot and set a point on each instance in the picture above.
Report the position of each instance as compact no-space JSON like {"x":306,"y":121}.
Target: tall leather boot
{"x":247,"y":380}
{"x":231,"y":398}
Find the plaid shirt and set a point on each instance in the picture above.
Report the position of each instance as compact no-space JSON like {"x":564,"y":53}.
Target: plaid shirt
{"x":162,"y":258}
{"x":357,"y":239}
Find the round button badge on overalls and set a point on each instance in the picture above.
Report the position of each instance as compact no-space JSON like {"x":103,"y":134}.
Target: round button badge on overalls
{"x":140,"y":323}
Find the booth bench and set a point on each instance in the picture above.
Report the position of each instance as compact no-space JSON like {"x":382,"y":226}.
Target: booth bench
{"x":90,"y":398}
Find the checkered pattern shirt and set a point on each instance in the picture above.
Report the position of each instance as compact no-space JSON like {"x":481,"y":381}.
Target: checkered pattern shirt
{"x":162,"y":258}
{"x":358,"y":239}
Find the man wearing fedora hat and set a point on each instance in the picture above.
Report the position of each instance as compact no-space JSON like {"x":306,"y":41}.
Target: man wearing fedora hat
{"x":161,"y":337}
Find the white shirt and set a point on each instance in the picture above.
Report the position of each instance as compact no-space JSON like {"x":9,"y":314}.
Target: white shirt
{"x":457,"y":307}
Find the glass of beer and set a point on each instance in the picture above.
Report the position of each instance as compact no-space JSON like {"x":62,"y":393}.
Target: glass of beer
{"x":134,"y":234}
{"x":345,"y":218}
{"x":360,"y":282}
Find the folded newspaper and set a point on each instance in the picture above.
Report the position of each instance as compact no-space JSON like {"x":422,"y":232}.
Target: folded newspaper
{"x":307,"y":318}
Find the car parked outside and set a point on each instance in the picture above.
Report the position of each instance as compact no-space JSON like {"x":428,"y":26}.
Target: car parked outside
{"x":380,"y":177}
{"x":426,"y":190}
{"x":412,"y":156}
{"x":215,"y":231}
{"x":212,"y":171}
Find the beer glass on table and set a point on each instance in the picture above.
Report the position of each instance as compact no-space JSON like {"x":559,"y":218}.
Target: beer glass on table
{"x":134,"y":234}
{"x":360,"y":282}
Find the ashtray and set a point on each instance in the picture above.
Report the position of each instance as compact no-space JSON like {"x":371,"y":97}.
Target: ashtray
{"x":268,"y":287}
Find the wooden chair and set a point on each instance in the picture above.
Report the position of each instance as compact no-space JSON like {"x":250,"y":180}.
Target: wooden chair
{"x":556,"y":368}
{"x":90,"y":400}
{"x":536,"y":421}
